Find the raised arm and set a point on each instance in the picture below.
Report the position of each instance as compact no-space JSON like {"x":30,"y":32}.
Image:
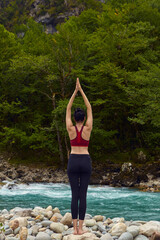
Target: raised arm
{"x":69,"y":123}
{"x":89,"y":122}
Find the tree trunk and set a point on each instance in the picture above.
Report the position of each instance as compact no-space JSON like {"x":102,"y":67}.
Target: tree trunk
{"x":67,"y":149}
{"x":58,"y":137}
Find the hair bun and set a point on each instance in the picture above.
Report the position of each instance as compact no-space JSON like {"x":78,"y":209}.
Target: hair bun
{"x":79,"y":114}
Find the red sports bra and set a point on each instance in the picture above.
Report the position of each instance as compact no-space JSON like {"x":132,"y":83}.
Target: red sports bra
{"x":78,"y":140}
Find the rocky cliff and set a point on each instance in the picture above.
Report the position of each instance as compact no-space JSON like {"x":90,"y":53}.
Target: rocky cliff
{"x":47,"y":12}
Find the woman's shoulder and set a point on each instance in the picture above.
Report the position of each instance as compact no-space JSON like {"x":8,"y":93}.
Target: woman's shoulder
{"x":87,"y":128}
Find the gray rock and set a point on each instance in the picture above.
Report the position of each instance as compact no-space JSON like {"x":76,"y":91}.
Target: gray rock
{"x":88,"y":216}
{"x":104,"y":218}
{"x":8,"y":231}
{"x":6,"y":226}
{"x":11,"y":238}
{"x":97,"y":234}
{"x":43,"y":236}
{"x":126,"y":167}
{"x":39,"y":224}
{"x":46,"y":223}
{"x":21,"y":212}
{"x":101,"y":227}
{"x":16,"y":231}
{"x":126,"y":236}
{"x":4,"y":211}
{"x":107,"y":236}
{"x":117,"y":219}
{"x":128,"y":223}
{"x":49,"y":232}
{"x":134,"y":230}
{"x":34,"y":214}
{"x":30,"y":230}
{"x":30,"y":219}
{"x":67,"y":232}
{"x":141,"y":237}
{"x":94,"y":228}
{"x":108,"y":228}
{"x":57,"y":227}
{"x":115,"y":237}
{"x":31,"y":238}
{"x":2,"y":237}
{"x":35,"y":230}
{"x":90,"y":222}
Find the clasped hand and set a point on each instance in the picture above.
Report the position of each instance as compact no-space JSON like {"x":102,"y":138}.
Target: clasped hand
{"x":78,"y":85}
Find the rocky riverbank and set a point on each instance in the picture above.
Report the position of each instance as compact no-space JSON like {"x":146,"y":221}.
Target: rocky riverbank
{"x":145,"y":177}
{"x":47,"y":224}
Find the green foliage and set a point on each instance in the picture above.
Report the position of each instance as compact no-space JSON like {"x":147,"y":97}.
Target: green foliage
{"x":114,"y":50}
{"x":144,"y":90}
{"x":2,"y":229}
{"x":8,"y":48}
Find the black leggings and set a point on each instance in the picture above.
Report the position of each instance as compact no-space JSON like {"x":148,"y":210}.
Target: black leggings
{"x":79,"y":171}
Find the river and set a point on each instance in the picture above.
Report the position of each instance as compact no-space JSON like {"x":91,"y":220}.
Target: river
{"x":111,"y":202}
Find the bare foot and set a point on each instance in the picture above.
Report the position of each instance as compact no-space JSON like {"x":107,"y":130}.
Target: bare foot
{"x":80,"y":232}
{"x":75,"y":232}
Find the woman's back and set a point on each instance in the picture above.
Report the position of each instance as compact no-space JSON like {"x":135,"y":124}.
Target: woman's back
{"x":79,"y":139}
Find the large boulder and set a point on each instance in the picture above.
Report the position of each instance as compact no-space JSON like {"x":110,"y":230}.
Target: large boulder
{"x":118,"y":229}
{"x":57,"y":227}
{"x":67,"y":219}
{"x":22,"y":221}
{"x":149,"y":228}
{"x":85,"y":236}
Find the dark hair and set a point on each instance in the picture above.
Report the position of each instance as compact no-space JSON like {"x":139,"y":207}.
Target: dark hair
{"x":79,"y":114}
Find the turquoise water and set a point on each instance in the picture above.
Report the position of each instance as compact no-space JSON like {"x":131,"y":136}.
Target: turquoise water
{"x":108,"y":201}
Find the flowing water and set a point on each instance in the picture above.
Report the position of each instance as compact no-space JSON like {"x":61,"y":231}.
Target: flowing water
{"x":108,"y":201}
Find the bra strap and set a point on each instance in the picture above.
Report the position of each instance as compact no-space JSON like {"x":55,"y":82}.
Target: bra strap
{"x":78,"y":134}
{"x":81,"y":128}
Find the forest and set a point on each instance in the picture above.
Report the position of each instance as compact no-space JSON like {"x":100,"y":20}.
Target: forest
{"x":114,"y":49}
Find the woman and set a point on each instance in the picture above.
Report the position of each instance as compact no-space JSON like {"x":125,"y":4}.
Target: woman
{"x":79,"y":164}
